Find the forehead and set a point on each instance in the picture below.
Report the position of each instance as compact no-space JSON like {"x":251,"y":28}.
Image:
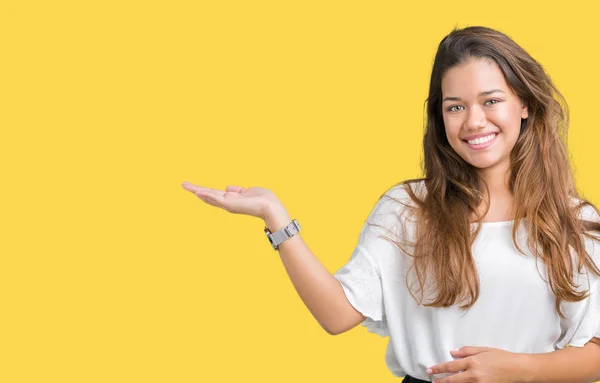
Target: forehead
{"x":472,"y":77}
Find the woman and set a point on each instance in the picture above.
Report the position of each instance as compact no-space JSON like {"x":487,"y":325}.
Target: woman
{"x":493,"y":248}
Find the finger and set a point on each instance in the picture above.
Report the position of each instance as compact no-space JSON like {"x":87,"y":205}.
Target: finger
{"x":193,"y":188}
{"x":452,"y":366}
{"x":234,"y":188}
{"x":208,"y":195}
{"x":470,"y":351}
{"x":213,"y":197}
{"x":225,"y":200}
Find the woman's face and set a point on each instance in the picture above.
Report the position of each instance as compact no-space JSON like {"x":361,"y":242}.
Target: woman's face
{"x":482,"y":116}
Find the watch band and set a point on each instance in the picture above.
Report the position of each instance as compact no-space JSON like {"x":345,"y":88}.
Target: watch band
{"x":282,"y":234}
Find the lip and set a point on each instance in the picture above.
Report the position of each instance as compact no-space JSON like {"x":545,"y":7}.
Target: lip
{"x":484,"y":145}
{"x":474,"y":136}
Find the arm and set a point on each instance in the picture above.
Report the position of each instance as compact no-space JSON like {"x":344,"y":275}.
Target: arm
{"x":320,"y":291}
{"x":569,"y":365}
{"x":484,"y":364}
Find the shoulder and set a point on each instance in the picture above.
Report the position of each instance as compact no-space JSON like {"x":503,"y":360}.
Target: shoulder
{"x":400,"y":190}
{"x":397,"y":198}
{"x":396,"y":205}
{"x":587,"y":211}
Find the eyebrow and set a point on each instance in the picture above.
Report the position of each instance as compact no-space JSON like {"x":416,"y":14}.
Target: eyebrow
{"x":487,"y":92}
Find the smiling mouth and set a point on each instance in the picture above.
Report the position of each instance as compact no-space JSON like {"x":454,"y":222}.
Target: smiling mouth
{"x":483,"y":142}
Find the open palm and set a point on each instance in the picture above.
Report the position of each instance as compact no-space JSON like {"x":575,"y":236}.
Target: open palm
{"x":254,"y":201}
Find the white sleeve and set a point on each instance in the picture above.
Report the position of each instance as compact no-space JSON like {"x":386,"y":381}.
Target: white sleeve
{"x":597,"y":334}
{"x":582,"y":322}
{"x":361,"y":276}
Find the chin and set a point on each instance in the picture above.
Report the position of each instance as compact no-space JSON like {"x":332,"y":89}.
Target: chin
{"x":482,"y":165}
{"x":479,"y":161}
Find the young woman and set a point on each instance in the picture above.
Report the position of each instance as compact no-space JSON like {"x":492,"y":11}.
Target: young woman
{"x":492,"y":253}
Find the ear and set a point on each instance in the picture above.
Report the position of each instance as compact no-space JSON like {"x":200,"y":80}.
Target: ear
{"x":524,"y":111}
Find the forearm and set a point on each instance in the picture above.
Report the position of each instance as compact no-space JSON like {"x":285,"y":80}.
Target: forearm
{"x":569,"y":365}
{"x":317,"y":287}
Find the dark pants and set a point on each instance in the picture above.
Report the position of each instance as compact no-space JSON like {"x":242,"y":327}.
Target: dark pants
{"x":410,"y":379}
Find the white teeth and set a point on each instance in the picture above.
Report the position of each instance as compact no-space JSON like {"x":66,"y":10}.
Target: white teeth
{"x":482,"y":140}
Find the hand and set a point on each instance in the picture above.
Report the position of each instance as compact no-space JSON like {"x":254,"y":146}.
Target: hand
{"x":254,"y":201}
{"x":482,"y":365}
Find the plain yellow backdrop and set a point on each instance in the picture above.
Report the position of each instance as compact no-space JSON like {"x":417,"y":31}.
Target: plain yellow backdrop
{"x":112,"y":272}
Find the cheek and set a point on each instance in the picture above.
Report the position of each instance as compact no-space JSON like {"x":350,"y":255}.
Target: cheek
{"x":449,"y":126}
{"x":452,"y":129}
{"x":509,"y":121}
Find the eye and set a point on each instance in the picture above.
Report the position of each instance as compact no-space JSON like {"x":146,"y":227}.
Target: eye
{"x":495,"y":102}
{"x":451,"y":108}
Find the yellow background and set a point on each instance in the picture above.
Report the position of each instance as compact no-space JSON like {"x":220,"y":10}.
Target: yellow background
{"x":112,"y":272}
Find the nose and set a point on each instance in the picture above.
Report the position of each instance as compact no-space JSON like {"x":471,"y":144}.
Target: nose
{"x":476,"y":119}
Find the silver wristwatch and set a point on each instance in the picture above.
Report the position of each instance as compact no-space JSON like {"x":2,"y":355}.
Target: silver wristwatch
{"x":281,"y":235}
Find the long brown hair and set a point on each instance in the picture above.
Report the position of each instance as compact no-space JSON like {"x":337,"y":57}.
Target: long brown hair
{"x":541,"y":181}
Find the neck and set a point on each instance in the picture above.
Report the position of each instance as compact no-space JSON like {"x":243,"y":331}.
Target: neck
{"x":500,"y":197}
{"x":497,"y":179}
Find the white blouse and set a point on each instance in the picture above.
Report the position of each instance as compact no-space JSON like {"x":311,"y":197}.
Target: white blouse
{"x":515,"y":310}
